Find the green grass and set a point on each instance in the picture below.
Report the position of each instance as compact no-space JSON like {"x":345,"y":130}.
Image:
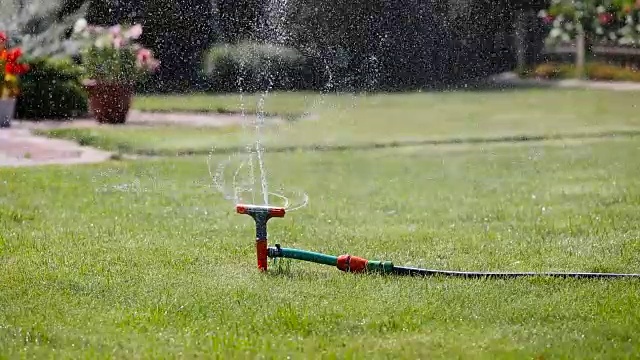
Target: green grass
{"x":282,"y":103}
{"x":162,"y":267}
{"x":381,"y":120}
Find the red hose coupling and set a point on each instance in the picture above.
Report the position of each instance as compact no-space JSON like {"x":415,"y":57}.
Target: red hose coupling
{"x":261,"y":251}
{"x":353,"y":264}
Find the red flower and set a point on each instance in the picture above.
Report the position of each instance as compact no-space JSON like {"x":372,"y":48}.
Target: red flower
{"x":12,"y":66}
{"x":14,"y":54}
{"x":3,"y":36}
{"x":16,"y":69}
{"x":548,"y":19}
{"x":605,"y":18}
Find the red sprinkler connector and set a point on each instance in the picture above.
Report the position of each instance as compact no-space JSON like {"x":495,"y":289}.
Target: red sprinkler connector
{"x":261,"y":214}
{"x":349,"y":263}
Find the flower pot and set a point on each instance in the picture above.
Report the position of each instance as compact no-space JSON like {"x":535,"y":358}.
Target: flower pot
{"x":109,"y":102}
{"x":7,"y":108}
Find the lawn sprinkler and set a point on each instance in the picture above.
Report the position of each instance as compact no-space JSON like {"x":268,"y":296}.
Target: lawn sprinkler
{"x":261,"y":214}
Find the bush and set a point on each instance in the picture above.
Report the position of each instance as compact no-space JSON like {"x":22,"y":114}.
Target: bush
{"x":594,"y":71}
{"x":260,"y":66}
{"x":554,"y":71}
{"x":51,"y":90}
{"x":607,"y":72}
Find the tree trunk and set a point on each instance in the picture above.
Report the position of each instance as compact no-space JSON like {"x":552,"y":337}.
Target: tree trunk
{"x":521,"y":30}
{"x":581,"y":53}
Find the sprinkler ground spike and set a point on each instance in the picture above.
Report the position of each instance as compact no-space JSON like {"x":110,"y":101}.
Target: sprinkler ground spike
{"x":261,"y":215}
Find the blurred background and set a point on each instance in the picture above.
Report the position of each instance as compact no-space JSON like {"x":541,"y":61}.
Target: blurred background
{"x":396,"y":44}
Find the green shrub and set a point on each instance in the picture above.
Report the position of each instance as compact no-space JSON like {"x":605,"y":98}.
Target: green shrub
{"x":554,"y":71}
{"x":259,"y":66}
{"x":52,"y":89}
{"x":608,"y":72}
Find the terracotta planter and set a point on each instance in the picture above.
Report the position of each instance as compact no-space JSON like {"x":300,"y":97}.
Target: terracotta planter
{"x":109,"y":102}
{"x":7,"y":109}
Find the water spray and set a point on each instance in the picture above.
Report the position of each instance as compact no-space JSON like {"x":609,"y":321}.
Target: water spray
{"x":261,"y":214}
{"x":253,"y":162}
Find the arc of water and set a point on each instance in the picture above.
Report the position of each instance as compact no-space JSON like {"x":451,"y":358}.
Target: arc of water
{"x":260,"y":149}
{"x":254,"y":161}
{"x":252,"y":178}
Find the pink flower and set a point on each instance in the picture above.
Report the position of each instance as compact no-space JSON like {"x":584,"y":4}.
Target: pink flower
{"x":145,"y":60}
{"x":134,"y":32}
{"x":115,"y":30}
{"x":605,"y":18}
{"x":118,"y":42}
{"x":144,"y":55}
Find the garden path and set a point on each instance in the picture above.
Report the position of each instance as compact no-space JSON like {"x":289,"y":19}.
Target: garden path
{"x":20,"y":147}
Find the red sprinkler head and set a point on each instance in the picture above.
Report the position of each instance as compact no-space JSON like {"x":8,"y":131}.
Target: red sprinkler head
{"x":261,"y":214}
{"x":271,"y":211}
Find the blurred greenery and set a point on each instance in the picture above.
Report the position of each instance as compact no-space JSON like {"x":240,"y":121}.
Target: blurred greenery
{"x":252,"y":66}
{"x":51,"y":90}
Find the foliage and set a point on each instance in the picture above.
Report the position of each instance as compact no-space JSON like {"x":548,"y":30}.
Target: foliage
{"x":238,"y":19}
{"x":551,"y":71}
{"x":594,"y":71}
{"x":375,"y":44}
{"x":177,"y":43}
{"x":51,"y":90}
{"x":112,"y":54}
{"x":253,"y":67}
{"x":616,"y":21}
{"x":346,"y":48}
{"x":51,"y":39}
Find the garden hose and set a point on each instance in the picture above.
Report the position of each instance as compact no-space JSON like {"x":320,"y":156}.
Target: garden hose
{"x":353,"y":264}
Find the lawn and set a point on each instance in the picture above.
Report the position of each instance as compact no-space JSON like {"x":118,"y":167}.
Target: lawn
{"x":378,"y":120}
{"x":274,"y":103}
{"x":144,"y":260}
